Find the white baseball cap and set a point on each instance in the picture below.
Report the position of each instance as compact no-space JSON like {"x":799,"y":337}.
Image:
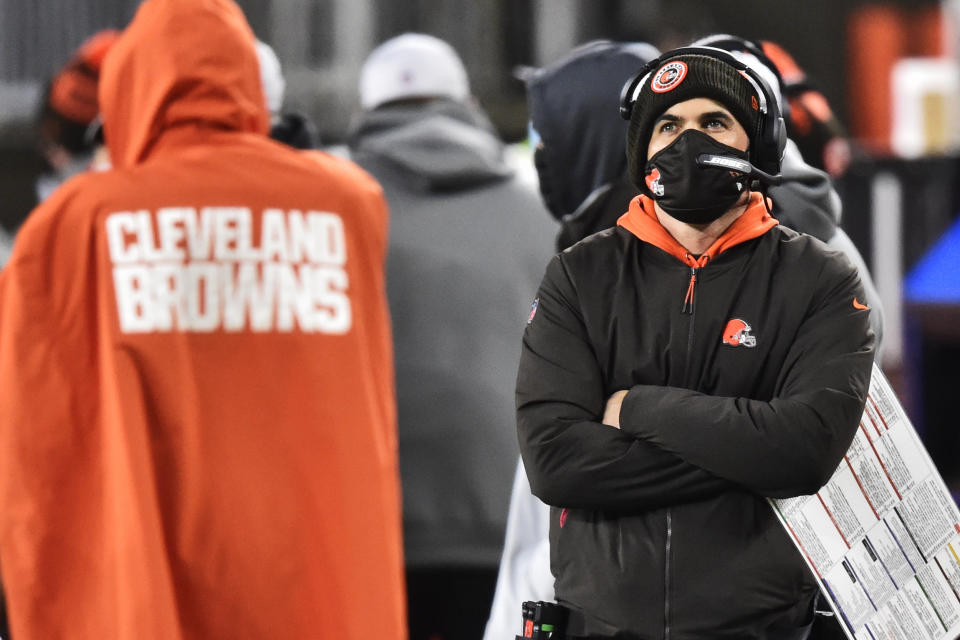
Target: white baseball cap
{"x":412,"y":65}
{"x":271,"y":77}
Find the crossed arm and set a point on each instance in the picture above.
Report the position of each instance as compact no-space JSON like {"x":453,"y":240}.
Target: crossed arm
{"x":675,"y":445}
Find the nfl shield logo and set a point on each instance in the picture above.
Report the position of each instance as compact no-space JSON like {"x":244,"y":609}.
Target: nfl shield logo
{"x":533,"y":310}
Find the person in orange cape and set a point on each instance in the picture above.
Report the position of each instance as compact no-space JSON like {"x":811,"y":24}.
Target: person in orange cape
{"x":197,"y":415}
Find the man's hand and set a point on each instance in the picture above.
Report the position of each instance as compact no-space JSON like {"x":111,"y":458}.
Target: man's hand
{"x":611,"y":415}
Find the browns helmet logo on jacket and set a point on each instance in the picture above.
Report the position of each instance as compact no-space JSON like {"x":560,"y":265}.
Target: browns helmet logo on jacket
{"x":737,"y":334}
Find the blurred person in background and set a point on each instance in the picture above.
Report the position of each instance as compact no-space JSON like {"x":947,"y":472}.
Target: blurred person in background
{"x":647,"y":488}
{"x":579,"y":154}
{"x":68,"y":117}
{"x":467,"y":240}
{"x":197,"y":417}
{"x":807,"y":200}
{"x":67,"y":126}
{"x":289,"y":127}
{"x":821,"y":138}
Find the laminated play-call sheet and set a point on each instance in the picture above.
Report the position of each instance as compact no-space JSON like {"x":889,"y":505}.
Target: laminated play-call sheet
{"x":883,"y":536}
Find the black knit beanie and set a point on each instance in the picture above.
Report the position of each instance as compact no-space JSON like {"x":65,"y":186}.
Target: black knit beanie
{"x":682,"y":78}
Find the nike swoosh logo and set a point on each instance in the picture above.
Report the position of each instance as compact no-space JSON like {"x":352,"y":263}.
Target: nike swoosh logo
{"x":858,"y":305}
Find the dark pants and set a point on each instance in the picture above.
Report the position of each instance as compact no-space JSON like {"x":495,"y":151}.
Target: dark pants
{"x":450,"y":603}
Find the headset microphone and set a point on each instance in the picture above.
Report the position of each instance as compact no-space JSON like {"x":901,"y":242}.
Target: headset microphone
{"x":738,"y":165}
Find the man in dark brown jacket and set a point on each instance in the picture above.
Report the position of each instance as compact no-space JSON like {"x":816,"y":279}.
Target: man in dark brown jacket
{"x":682,"y":367}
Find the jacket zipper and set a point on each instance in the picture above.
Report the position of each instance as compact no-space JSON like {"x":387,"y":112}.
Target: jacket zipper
{"x":689,"y":306}
{"x":688,"y":299}
{"x":666,"y":576}
{"x":688,"y":309}
{"x":690,"y":335}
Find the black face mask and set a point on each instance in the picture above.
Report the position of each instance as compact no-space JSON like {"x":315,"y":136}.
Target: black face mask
{"x":687,"y":191}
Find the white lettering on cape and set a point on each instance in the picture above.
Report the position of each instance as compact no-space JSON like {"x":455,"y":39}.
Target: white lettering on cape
{"x":220,"y":269}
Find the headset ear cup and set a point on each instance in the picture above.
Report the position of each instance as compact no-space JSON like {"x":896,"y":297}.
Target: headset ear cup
{"x":630,"y":88}
{"x":771,"y":139}
{"x":626,"y":102}
{"x":775,"y":142}
{"x":781,"y":139}
{"x":768,"y":150}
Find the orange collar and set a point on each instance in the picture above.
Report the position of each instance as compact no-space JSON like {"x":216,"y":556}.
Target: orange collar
{"x":641,"y":220}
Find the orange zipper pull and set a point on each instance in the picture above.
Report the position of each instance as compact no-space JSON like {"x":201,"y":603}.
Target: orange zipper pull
{"x":688,"y":299}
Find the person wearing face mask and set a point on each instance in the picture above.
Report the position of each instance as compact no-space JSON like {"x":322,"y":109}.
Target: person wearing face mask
{"x":685,"y":365}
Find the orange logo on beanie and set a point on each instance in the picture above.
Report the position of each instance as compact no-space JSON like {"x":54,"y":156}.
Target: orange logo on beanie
{"x":669,"y":76}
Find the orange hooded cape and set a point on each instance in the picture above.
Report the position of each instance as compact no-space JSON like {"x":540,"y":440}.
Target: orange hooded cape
{"x":197,"y":419}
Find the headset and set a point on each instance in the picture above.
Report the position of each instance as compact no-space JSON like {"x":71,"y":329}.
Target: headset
{"x":729,"y":43}
{"x":755,"y":48}
{"x":766,"y":143}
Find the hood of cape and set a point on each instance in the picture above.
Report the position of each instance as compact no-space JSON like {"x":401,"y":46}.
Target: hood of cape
{"x":180,"y":64}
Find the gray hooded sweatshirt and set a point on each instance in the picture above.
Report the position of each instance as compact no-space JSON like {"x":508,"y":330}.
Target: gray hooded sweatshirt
{"x":468,"y":245}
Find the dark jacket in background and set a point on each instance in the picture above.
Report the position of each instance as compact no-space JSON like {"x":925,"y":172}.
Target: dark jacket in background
{"x":295,"y":130}
{"x":467,"y":248}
